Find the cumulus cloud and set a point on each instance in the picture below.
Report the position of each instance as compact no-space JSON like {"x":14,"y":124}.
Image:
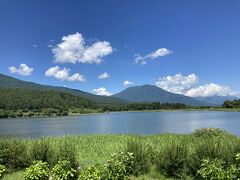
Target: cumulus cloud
{"x":73,"y":49}
{"x":210,"y":90}
{"x":178,"y":83}
{"x":102,"y":91}
{"x":63,"y":74}
{"x":153,"y":55}
{"x":127,"y":83}
{"x":187,"y":85}
{"x":23,"y":70}
{"x":105,"y":75}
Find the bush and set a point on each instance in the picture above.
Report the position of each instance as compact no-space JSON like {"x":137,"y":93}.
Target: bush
{"x":67,"y":152}
{"x":173,"y":160}
{"x":120,"y":165}
{"x":63,"y":171}
{"x":117,"y":168}
{"x":210,"y":133}
{"x":141,"y":162}
{"x":39,"y":170}
{"x":216,"y":170}
{"x":2,"y":170}
{"x":41,"y":150}
{"x":96,"y":172}
{"x":3,"y":113}
{"x":13,"y":154}
{"x":209,"y":149}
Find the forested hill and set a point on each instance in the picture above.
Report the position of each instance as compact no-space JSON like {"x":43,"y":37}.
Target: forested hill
{"x":15,"y":99}
{"x":10,"y":82}
{"x":26,"y":102}
{"x":232,"y":104}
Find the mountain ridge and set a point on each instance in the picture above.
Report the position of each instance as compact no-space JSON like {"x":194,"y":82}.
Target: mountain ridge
{"x":11,"y":82}
{"x":151,"y":93}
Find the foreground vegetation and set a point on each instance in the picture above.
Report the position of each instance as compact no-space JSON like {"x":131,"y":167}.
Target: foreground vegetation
{"x":204,"y":154}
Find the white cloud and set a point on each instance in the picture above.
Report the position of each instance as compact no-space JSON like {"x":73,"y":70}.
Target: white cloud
{"x":127,"y":83}
{"x":63,"y":74}
{"x":153,"y":55}
{"x":178,"y":83}
{"x":77,"y":77}
{"x":105,"y":75}
{"x":209,"y":90}
{"x":23,"y":70}
{"x":102,"y":91}
{"x":187,"y":85}
{"x":73,"y":49}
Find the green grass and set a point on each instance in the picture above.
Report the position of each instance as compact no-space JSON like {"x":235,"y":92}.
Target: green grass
{"x":14,"y":176}
{"x":92,"y":149}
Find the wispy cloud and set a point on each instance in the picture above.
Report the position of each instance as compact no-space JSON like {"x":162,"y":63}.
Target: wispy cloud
{"x":153,"y":55}
{"x":102,"y":91}
{"x":63,"y":74}
{"x":105,"y":75}
{"x":23,"y":70}
{"x":127,"y":83}
{"x":73,"y":49}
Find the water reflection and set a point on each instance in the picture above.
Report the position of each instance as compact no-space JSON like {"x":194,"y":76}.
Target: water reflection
{"x":137,"y":123}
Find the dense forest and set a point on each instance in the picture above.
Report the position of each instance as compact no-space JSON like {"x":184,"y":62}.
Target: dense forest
{"x":145,"y":106}
{"x":231,"y":104}
{"x":26,"y":103}
{"x":22,"y":102}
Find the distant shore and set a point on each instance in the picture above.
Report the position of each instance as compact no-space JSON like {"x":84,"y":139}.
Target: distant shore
{"x":95,"y":112}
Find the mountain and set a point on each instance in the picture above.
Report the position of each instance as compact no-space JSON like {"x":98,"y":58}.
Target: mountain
{"x":218,"y":100}
{"x":10,"y":82}
{"x":150,"y":93}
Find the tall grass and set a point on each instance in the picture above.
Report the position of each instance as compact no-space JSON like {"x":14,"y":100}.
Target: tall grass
{"x":163,"y":150}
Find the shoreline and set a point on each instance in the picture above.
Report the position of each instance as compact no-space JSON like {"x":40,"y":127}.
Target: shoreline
{"x":135,"y":111}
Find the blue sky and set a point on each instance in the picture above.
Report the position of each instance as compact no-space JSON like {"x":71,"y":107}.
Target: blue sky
{"x":187,"y":47}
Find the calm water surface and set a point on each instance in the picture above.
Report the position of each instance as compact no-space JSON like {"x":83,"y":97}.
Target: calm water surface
{"x":131,"y":122}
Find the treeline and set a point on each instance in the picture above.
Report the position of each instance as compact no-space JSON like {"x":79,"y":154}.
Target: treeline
{"x":22,"y":102}
{"x":27,"y":103}
{"x":231,"y":104}
{"x":145,"y":106}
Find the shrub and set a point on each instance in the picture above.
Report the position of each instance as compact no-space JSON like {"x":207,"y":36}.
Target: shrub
{"x":96,"y":172}
{"x":210,"y":133}
{"x":120,"y":165}
{"x":2,"y":170}
{"x":13,"y":153}
{"x":117,"y":168}
{"x":42,"y":151}
{"x":63,"y":171}
{"x":3,"y":113}
{"x":67,"y":152}
{"x":208,"y":149}
{"x":39,"y":170}
{"x":141,"y":162}
{"x":216,"y":170}
{"x":173,"y":160}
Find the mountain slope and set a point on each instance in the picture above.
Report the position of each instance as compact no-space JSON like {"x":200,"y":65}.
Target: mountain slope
{"x":10,"y":82}
{"x":150,"y":93}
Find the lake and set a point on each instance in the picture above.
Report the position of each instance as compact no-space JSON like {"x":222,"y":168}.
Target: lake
{"x":122,"y":122}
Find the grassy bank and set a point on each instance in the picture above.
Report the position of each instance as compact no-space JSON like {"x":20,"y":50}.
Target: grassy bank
{"x":88,"y":150}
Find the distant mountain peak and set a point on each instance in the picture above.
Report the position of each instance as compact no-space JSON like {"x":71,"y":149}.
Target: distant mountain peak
{"x":152,"y":93}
